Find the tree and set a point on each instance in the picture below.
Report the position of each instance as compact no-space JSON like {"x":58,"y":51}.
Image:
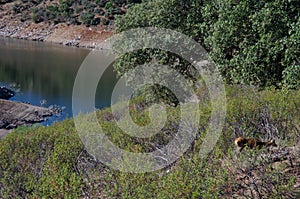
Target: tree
{"x":251,"y":42}
{"x":162,"y":14}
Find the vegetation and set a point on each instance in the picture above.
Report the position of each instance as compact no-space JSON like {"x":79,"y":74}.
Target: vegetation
{"x":252,"y":43}
{"x":71,"y":11}
{"x":55,"y":159}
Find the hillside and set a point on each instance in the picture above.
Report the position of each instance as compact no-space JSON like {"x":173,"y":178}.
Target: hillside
{"x":55,"y":159}
{"x":255,"y":45}
{"x":71,"y":22}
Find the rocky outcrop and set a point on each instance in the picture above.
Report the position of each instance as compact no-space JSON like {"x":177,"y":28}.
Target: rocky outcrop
{"x":13,"y":114}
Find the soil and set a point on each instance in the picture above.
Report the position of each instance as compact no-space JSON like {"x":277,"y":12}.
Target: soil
{"x":80,"y":36}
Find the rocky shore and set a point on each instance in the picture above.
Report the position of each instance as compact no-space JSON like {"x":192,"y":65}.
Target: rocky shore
{"x":69,"y":35}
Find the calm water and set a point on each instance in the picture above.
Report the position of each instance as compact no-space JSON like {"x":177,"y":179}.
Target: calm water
{"x":44,"y":73}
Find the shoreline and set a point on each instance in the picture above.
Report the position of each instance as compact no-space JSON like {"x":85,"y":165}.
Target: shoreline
{"x":63,"y":34}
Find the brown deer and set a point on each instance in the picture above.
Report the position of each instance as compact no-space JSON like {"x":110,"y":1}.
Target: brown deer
{"x":242,"y":142}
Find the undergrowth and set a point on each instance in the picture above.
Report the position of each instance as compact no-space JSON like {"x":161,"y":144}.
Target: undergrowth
{"x":52,"y":162}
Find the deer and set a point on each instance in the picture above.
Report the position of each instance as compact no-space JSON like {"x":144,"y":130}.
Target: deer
{"x":242,"y":142}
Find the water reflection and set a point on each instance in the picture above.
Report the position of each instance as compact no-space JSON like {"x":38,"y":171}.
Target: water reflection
{"x":45,"y":73}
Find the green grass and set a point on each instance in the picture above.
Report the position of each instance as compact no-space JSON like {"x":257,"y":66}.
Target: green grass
{"x":51,"y":162}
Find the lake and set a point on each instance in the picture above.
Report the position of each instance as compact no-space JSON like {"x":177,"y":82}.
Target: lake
{"x":44,"y":74}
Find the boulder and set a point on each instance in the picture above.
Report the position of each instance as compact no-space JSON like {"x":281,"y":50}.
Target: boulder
{"x":6,"y":93}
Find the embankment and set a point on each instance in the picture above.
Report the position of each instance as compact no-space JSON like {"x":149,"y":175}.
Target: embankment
{"x":70,"y":35}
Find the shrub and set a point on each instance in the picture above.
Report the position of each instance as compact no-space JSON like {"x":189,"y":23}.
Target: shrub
{"x":87,"y":18}
{"x":40,"y":156}
{"x":108,"y":5}
{"x":54,"y":158}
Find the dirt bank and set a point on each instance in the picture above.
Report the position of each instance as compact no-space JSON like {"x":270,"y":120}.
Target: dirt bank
{"x":80,"y":36}
{"x":70,"y":35}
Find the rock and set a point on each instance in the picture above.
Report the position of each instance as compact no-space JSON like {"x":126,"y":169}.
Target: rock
{"x":13,"y":114}
{"x":6,"y":93}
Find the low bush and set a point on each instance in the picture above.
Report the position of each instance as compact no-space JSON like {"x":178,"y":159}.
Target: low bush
{"x":52,"y":162}
{"x":39,"y":162}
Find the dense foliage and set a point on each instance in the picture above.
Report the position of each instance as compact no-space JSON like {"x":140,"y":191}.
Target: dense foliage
{"x":252,"y":42}
{"x":51,"y":162}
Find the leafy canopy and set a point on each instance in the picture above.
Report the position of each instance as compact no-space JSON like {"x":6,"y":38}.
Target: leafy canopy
{"x":251,"y":42}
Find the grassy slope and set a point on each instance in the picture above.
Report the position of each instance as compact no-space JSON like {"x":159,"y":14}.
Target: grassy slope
{"x":52,"y":162}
